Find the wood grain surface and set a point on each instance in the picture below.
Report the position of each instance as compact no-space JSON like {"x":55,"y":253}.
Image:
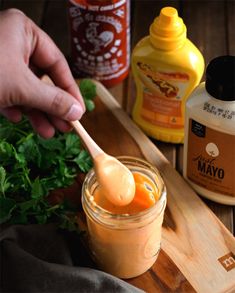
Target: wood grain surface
{"x":193,"y":237}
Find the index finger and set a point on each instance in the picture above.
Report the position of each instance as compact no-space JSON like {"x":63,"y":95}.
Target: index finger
{"x":48,"y":57}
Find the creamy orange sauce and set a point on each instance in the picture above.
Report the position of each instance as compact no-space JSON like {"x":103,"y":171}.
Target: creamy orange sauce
{"x":116,"y":182}
{"x":129,"y":251}
{"x":146,"y":195}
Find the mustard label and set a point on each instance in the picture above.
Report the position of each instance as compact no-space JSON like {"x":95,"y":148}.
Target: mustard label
{"x":211,"y":158}
{"x":163,"y":92}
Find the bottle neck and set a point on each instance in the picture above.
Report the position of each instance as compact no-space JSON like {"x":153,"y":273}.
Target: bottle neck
{"x":168,"y":31}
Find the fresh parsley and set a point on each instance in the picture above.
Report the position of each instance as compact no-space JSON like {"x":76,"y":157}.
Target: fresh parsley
{"x":31,"y":167}
{"x":88,"y":91}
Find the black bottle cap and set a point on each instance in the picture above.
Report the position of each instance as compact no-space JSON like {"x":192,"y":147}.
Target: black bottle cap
{"x":220,"y":78}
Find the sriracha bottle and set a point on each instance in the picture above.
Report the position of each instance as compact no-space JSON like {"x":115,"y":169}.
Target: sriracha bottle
{"x":100,"y":39}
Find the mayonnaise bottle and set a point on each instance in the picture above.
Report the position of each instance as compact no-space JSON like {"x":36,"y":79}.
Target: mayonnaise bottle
{"x":209,"y":148}
{"x":166,"y":67}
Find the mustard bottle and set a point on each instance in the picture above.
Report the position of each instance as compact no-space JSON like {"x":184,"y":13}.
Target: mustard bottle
{"x":166,"y":67}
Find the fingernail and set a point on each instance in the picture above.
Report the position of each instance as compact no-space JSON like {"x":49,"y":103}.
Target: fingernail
{"x":75,"y":113}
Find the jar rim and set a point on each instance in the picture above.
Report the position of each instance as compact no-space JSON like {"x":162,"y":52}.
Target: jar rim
{"x":88,"y":203}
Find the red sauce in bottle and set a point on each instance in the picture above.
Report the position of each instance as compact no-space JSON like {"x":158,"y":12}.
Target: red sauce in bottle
{"x":100,"y":33}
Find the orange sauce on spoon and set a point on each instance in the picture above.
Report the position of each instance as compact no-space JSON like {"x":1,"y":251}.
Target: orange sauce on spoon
{"x":146,"y":195}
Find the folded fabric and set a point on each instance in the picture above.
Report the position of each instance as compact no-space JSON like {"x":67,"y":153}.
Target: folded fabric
{"x":41,"y":258}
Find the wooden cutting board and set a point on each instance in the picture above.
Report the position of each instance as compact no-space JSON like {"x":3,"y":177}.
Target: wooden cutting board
{"x":198,"y":251}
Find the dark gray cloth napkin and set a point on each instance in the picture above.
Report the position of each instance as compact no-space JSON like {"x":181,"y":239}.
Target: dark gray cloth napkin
{"x":43,"y":259}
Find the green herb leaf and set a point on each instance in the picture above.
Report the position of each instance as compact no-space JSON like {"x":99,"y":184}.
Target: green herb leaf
{"x":29,"y":149}
{"x":30,"y":167}
{"x":20,"y":158}
{"x":6,"y":153}
{"x":90,"y":105}
{"x":41,"y":219}
{"x":88,"y":89}
{"x":37,"y":189}
{"x":27,"y":205}
{"x":69,"y":223}
{"x":51,"y":144}
{"x":2,"y":180}
{"x":72,"y":144}
{"x":7,"y":205}
{"x":19,"y":218}
{"x":83,"y":160}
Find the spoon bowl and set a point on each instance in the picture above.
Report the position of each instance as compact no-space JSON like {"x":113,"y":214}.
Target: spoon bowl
{"x":115,"y":179}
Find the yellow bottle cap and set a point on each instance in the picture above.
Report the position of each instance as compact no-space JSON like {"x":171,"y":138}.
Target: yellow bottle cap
{"x":168,"y":31}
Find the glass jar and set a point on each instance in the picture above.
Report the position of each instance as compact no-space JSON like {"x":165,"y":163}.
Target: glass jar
{"x":125,"y":245}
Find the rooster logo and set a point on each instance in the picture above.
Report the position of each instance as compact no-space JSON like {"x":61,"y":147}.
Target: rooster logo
{"x":98,"y":40}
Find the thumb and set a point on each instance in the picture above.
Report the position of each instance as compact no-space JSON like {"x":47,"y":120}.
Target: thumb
{"x":50,"y":99}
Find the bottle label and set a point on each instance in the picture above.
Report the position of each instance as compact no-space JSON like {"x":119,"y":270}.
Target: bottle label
{"x":99,"y":38}
{"x":211,"y":159}
{"x":163,"y":92}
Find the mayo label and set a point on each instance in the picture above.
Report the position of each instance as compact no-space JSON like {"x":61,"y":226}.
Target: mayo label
{"x":211,"y":158}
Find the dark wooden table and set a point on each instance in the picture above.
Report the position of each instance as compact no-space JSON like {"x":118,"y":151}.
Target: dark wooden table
{"x":210,"y":26}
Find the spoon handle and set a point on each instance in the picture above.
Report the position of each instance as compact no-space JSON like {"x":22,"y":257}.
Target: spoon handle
{"x":90,"y":144}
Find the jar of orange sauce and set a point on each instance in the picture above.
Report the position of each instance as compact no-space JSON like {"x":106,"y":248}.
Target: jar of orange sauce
{"x":125,"y":241}
{"x":100,"y":39}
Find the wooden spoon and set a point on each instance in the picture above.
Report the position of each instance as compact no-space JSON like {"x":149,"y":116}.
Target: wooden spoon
{"x":115,"y":179}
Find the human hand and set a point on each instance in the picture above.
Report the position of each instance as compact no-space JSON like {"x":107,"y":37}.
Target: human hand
{"x":25,"y":53}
